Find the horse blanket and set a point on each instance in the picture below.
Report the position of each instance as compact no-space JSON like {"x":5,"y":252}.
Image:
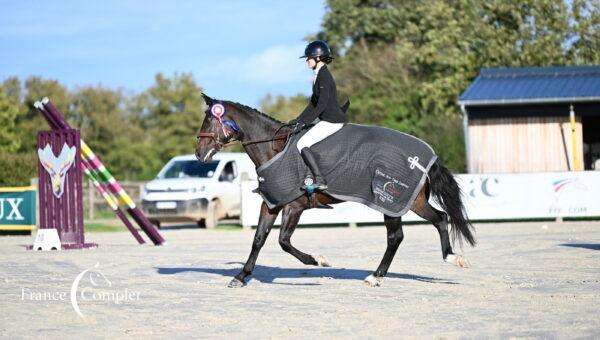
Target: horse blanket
{"x":379,"y":167}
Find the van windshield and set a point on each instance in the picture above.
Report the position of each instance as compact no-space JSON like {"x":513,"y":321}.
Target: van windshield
{"x":186,"y":169}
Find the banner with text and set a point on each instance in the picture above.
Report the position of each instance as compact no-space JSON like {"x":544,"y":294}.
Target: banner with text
{"x":486,"y":197}
{"x":17,"y":208}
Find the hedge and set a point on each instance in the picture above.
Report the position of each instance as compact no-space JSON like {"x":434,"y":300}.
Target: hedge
{"x":17,"y":169}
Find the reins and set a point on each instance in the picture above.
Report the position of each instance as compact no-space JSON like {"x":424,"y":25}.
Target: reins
{"x":218,"y":111}
{"x":221,"y":145}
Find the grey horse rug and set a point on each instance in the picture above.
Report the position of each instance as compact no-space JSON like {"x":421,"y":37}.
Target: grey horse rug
{"x":379,"y":167}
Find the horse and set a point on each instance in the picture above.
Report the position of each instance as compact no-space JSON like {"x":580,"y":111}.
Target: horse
{"x":262,"y":137}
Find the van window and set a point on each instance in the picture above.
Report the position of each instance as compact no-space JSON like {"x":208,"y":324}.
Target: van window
{"x":192,"y":168}
{"x":229,"y":172}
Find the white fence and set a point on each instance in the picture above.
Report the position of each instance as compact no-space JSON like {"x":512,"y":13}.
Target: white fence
{"x":487,"y":197}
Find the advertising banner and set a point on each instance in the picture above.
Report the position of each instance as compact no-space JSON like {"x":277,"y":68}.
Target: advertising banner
{"x":18,"y":208}
{"x":486,"y":197}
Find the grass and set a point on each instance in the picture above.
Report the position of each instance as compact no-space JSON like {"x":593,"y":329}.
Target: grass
{"x":228,"y":227}
{"x":102,"y":214}
{"x":102,"y":228}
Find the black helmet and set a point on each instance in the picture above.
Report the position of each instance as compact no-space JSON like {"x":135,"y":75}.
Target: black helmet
{"x":317,"y":48}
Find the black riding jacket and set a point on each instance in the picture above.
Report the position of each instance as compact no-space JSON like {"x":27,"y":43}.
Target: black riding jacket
{"x":323,"y":102}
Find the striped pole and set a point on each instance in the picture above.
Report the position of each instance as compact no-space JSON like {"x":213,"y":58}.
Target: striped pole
{"x":111,"y":202}
{"x":95,"y":166}
{"x":122,"y":197}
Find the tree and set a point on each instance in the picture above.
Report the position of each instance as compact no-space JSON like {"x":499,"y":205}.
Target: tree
{"x":283,"y":108}
{"x":115,"y":135}
{"x":30,"y":120}
{"x":9,"y":139}
{"x":171,"y":112}
{"x":404,"y":63}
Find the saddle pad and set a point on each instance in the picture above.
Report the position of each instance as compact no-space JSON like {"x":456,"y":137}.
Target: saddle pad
{"x":379,"y":167}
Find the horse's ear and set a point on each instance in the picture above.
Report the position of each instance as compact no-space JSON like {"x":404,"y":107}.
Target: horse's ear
{"x":208,"y":100}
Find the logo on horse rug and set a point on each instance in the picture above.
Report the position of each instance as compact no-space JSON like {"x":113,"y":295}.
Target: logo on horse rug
{"x":379,"y":167}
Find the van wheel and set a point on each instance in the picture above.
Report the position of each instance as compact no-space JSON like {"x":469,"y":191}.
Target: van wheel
{"x":212,"y":218}
{"x":201,"y":223}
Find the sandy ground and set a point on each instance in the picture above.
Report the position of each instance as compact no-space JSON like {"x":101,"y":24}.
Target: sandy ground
{"x":533,"y":280}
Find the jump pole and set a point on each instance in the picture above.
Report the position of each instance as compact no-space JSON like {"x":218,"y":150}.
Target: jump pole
{"x":95,"y":166}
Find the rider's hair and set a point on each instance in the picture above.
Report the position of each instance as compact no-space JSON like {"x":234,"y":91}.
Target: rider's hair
{"x":326,"y":60}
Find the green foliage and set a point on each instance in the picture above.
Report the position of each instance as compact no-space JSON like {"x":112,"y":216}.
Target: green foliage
{"x":404,"y":63}
{"x":9,"y":141}
{"x":171,"y":112}
{"x":283,"y":108}
{"x":17,"y":169}
{"x":134,"y":136}
{"x":30,"y":120}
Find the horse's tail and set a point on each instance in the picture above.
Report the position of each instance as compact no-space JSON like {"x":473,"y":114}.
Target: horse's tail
{"x":446,"y":191}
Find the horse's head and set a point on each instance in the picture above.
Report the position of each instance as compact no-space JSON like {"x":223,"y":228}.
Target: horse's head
{"x":217,"y":130}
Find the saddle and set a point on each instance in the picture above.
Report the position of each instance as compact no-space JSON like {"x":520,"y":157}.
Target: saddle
{"x":376,"y":166}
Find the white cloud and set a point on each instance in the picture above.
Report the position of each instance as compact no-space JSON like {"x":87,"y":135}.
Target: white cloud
{"x":275,"y":65}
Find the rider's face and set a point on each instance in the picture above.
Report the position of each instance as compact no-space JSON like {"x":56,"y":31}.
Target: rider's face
{"x":311,"y":63}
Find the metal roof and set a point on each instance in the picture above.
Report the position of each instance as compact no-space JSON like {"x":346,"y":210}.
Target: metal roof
{"x":530,"y":85}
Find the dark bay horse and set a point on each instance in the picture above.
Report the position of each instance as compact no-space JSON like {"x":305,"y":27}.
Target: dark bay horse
{"x":263,"y":137}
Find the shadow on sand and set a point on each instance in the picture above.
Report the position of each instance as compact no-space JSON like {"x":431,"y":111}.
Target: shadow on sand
{"x":591,"y":246}
{"x":267,"y":274}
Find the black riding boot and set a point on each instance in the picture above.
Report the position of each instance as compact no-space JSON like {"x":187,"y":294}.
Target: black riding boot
{"x":319,"y":182}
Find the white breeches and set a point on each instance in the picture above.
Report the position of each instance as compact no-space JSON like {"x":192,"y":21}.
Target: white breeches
{"x":317,"y":133}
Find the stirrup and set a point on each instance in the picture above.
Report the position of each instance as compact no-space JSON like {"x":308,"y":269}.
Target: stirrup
{"x":307,"y":185}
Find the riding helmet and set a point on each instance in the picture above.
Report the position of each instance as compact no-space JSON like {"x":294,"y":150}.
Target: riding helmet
{"x":317,"y":48}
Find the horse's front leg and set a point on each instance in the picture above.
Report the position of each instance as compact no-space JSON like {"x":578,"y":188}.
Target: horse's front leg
{"x":289,"y":220}
{"x":265,"y":223}
{"x":395,"y":236}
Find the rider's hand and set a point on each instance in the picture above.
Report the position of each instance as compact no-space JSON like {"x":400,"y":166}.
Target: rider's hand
{"x":298,"y":126}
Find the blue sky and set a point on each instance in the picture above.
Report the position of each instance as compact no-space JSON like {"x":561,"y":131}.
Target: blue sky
{"x":237,"y":50}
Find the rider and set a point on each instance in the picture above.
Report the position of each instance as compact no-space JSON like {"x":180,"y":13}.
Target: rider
{"x":323,"y":105}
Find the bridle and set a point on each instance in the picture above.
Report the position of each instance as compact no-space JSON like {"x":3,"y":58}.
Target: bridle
{"x":231,"y":142}
{"x":218,"y":111}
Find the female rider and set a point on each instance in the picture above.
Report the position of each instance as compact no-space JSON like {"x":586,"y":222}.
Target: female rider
{"x":323,"y":105}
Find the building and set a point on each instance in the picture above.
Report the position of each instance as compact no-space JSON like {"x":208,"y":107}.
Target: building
{"x":517,"y":119}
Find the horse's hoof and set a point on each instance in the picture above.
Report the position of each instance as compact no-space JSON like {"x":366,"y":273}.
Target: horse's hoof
{"x":235,"y":283}
{"x":322,"y":261}
{"x":457,"y":260}
{"x":373,"y":281}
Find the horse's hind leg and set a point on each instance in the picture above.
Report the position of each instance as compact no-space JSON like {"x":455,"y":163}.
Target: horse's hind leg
{"x":265,"y":223}
{"x":289,"y":220}
{"x":394,"y":238}
{"x":439,"y":219}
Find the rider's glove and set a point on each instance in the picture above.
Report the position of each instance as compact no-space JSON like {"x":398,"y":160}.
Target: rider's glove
{"x":298,"y":126}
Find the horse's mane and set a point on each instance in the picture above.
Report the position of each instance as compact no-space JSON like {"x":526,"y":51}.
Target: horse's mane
{"x":253,"y":110}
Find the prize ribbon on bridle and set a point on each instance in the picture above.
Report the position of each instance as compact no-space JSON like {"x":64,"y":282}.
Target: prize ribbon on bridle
{"x":218,"y":111}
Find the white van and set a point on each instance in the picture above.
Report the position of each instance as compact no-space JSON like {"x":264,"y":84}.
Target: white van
{"x":188,"y":190}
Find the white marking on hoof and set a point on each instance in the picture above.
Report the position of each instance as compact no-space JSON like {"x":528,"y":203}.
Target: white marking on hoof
{"x":457,"y":260}
{"x":373,"y":281}
{"x":322,"y":261}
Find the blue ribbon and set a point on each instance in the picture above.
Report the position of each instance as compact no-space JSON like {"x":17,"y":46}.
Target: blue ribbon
{"x":231,"y":125}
